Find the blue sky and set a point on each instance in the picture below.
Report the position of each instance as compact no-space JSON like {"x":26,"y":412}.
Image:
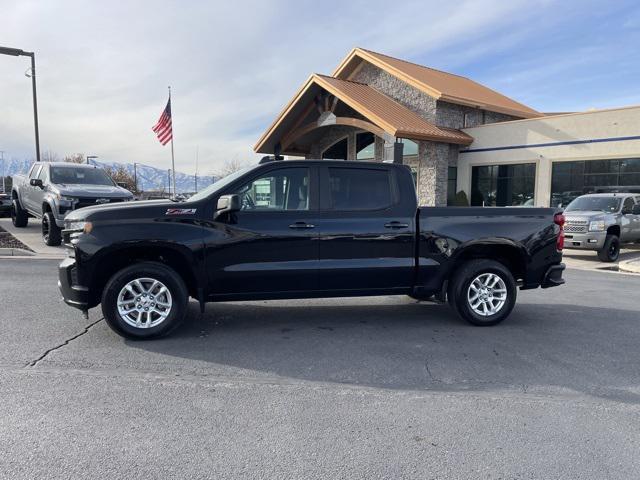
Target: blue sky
{"x":103,"y":67}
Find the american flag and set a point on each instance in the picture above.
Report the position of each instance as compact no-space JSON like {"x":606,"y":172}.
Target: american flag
{"x":163,"y":128}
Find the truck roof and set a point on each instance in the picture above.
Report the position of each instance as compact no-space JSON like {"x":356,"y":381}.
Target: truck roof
{"x":69,"y":164}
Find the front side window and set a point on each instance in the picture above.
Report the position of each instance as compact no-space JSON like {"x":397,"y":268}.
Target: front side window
{"x":279,"y":190}
{"x":359,"y":189}
{"x":80,"y":176}
{"x":627,"y":206}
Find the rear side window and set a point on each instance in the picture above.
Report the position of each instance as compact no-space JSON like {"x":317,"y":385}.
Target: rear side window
{"x":359,"y":189}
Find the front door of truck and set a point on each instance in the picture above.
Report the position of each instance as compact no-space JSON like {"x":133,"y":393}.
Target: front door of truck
{"x":270,"y":246}
{"x":31,"y":192}
{"x":366,"y":229}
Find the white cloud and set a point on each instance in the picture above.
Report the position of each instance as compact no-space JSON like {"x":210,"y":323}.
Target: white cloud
{"x":103,"y":67}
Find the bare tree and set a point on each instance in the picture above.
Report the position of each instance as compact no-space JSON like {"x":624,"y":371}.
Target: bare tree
{"x":75,"y":158}
{"x":120,"y":174}
{"x":49,"y":156}
{"x":231,"y":165}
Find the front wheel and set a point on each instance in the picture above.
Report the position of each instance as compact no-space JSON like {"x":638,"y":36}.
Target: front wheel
{"x":483,"y":292}
{"x":144,"y":300}
{"x":51,"y":233}
{"x":611,"y":249}
{"x":19,"y":217}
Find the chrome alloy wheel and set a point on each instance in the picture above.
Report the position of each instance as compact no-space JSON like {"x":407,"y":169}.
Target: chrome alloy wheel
{"x":144,"y":303}
{"x":487,"y":294}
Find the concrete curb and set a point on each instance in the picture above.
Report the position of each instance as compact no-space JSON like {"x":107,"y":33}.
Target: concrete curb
{"x":630,"y":266}
{"x":15,"y":252}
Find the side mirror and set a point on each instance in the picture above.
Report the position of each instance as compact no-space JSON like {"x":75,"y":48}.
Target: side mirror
{"x":36,"y":182}
{"x":122,"y":185}
{"x":636,"y":209}
{"x":227,"y":204}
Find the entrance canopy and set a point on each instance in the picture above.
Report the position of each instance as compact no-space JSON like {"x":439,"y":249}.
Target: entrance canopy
{"x":324,"y":101}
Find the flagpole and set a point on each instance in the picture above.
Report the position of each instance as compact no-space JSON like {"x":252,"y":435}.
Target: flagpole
{"x":173,"y":162}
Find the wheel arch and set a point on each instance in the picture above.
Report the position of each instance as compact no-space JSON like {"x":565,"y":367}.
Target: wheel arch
{"x":513,"y":256}
{"x":614,"y":230}
{"x":122,"y":256}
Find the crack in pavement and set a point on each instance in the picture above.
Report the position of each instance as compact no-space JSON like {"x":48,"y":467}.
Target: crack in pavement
{"x":66,"y":342}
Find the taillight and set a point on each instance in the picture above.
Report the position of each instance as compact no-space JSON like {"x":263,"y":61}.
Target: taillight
{"x":559,"y":220}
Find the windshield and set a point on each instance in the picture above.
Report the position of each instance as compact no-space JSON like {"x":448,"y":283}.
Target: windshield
{"x":219,"y":185}
{"x":80,"y":176}
{"x":598,"y":204}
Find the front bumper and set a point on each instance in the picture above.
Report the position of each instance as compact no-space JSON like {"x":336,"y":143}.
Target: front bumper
{"x":74,"y":295}
{"x":553,"y":276}
{"x":585,"y":241}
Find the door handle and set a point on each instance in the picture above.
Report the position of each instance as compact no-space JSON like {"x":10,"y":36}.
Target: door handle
{"x":396,"y":224}
{"x":301,"y":225}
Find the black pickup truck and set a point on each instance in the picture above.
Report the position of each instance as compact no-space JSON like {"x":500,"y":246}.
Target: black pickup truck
{"x":300,"y":229}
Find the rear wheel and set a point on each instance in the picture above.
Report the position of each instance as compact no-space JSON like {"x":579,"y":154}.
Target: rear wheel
{"x":145,"y":300}
{"x":51,"y":233}
{"x":19,"y":217}
{"x":611,"y":249}
{"x":483,"y":292}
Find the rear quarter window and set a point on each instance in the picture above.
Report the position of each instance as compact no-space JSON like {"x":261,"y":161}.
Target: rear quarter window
{"x":359,"y":189}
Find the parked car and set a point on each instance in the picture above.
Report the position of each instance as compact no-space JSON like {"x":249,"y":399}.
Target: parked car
{"x":300,"y":229}
{"x":602,"y":222}
{"x":50,"y":191}
{"x":5,"y":204}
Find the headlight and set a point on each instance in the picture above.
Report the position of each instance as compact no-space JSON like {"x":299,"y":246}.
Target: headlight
{"x":80,"y":226}
{"x":63,"y":198}
{"x":597,"y":226}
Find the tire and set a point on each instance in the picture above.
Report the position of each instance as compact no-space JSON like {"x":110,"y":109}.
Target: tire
{"x":163,"y":319}
{"x":19,"y":217}
{"x":477,"y":272}
{"x":51,"y":234}
{"x":611,"y":249}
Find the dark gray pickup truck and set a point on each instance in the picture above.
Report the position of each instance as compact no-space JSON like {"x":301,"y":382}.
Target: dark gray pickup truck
{"x":51,"y":190}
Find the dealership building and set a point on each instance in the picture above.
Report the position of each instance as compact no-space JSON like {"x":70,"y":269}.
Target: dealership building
{"x":456,"y":135}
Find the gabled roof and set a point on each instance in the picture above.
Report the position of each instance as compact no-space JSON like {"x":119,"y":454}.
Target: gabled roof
{"x":377,"y":108}
{"x":440,"y":85}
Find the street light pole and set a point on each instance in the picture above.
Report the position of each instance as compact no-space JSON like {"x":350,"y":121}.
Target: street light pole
{"x":16,"y":52}
{"x":4,"y":189}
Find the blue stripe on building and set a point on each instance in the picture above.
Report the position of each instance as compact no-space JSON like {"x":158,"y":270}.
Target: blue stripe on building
{"x":552,"y":144}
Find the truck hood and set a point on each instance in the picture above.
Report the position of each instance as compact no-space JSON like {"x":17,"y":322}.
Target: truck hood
{"x":128,"y":210}
{"x":586,"y":215}
{"x":106,"y":191}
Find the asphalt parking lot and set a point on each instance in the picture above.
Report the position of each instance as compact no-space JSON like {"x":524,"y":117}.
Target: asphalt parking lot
{"x":381,"y":387}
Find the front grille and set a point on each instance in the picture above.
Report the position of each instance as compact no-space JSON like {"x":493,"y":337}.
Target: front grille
{"x":92,"y":202}
{"x":576,"y":226}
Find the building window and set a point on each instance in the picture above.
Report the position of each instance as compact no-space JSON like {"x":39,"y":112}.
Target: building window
{"x":452,"y":183}
{"x":337,"y":151}
{"x":572,"y":179}
{"x":410,"y":148}
{"x":365,"y":146}
{"x":503,"y":185}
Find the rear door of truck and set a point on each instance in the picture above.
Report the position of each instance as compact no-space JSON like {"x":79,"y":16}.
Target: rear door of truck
{"x":366,"y":227}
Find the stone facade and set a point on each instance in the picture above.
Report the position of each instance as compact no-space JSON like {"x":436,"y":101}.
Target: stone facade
{"x":434,"y":158}
{"x":401,"y":92}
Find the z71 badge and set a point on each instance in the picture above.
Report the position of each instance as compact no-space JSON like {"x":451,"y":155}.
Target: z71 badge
{"x":181,"y":211}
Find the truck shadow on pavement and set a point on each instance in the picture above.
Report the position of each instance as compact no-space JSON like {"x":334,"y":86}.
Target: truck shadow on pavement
{"x":401,"y":344}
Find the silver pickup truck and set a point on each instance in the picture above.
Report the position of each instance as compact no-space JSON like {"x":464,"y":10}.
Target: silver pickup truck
{"x":602,"y":222}
{"x":53,"y":189}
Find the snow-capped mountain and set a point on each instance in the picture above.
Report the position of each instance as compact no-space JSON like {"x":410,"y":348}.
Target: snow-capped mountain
{"x":149,"y":178}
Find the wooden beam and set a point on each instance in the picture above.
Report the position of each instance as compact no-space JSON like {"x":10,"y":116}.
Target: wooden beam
{"x":348,"y":121}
